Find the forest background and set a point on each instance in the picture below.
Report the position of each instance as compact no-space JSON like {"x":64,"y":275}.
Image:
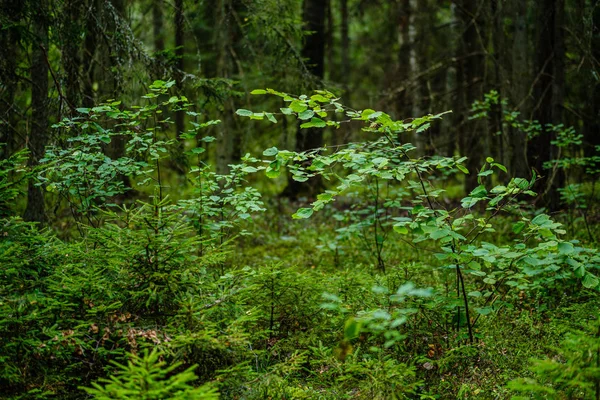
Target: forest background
{"x":137,"y":224}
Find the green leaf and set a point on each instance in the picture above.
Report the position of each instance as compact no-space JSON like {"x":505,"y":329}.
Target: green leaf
{"x":249,"y":169}
{"x":271,"y":151}
{"x":518,"y":227}
{"x":244,"y":113}
{"x":258,"y":91}
{"x":462,"y":168}
{"x":273,"y":169}
{"x":299,"y":178}
{"x":479,"y":192}
{"x":484,"y":310}
{"x":303,"y":213}
{"x":351,"y":329}
{"x":565,"y":248}
{"x":439,"y":233}
{"x":500,"y":167}
{"x":307,"y":114}
{"x":314,"y":123}
{"x":590,"y":281}
{"x":270,"y":117}
{"x":298,"y":106}
{"x":401,"y":229}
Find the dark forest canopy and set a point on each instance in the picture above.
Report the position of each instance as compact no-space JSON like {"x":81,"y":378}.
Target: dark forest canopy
{"x":536,"y":61}
{"x":357,"y":199}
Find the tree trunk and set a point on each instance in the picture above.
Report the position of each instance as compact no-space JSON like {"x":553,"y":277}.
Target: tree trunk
{"x":592,"y":125}
{"x":226,"y":38}
{"x":418,"y":63}
{"x":313,"y":51}
{"x":157,"y":25}
{"x":71,"y":59}
{"x":518,"y":90}
{"x":345,"y":44}
{"x":470,"y":74}
{"x":548,"y":94}
{"x":9,"y":46}
{"x":180,"y":64}
{"x":38,"y":136}
{"x":90,"y":46}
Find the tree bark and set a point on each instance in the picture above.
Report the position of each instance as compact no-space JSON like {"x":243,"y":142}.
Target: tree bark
{"x":157,"y":25}
{"x":90,"y":46}
{"x":313,"y":51}
{"x":9,"y":50}
{"x":180,"y":63}
{"x":470,"y":74}
{"x":226,"y":38}
{"x":71,"y":59}
{"x":38,"y":136}
{"x":592,"y":125}
{"x":548,"y":93}
{"x":518,"y":89}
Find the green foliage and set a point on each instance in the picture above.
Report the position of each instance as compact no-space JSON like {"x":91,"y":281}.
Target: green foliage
{"x":9,"y":183}
{"x":168,"y":294}
{"x":573,"y":373}
{"x":458,"y":233}
{"x":147,"y":377}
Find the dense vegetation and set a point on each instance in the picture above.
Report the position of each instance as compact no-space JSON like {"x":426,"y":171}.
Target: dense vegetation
{"x":172,"y":228}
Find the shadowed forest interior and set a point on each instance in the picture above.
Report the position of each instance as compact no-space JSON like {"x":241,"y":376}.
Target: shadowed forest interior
{"x":299,"y":199}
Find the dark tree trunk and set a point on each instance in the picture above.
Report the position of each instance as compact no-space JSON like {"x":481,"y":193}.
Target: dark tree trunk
{"x":345,"y":43}
{"x":71,"y":59}
{"x":518,"y":87}
{"x":418,"y":63}
{"x":226,"y":39}
{"x":313,"y":51}
{"x":90,"y":46}
{"x":342,"y":135}
{"x":548,"y":95}
{"x":592,"y":125}
{"x":9,"y":46}
{"x":180,"y":64}
{"x":116,"y":148}
{"x":470,"y":74}
{"x":496,"y":38}
{"x":38,"y":136}
{"x":157,"y":25}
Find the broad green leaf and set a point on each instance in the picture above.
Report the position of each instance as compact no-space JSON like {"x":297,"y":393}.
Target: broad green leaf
{"x":298,"y":106}
{"x":590,"y":281}
{"x":303,"y":213}
{"x":271,"y":151}
{"x":314,"y":123}
{"x":307,"y":114}
{"x":401,"y":229}
{"x":518,"y":227}
{"x":565,"y":248}
{"x":244,"y":113}
{"x":258,"y":91}
{"x":484,"y":310}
